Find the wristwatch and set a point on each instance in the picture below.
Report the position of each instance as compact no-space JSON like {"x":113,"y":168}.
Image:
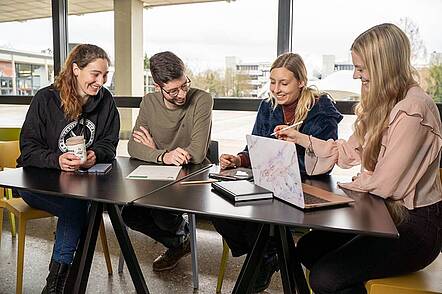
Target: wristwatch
{"x":160,"y":157}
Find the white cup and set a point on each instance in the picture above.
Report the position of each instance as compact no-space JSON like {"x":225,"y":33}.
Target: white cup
{"x":76,"y":145}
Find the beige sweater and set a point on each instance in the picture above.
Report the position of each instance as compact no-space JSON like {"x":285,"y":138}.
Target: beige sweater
{"x":408,"y":164}
{"x":187,"y":127}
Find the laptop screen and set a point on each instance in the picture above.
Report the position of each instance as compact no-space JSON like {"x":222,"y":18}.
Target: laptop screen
{"x":275,"y":167}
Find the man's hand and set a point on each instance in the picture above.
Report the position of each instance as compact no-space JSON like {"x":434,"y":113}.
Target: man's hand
{"x":143,"y":137}
{"x":91,"y":159}
{"x":178,"y":156}
{"x":69,"y":162}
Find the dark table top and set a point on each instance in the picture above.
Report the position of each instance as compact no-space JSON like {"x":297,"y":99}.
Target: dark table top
{"x":367,"y":215}
{"x":112,"y":187}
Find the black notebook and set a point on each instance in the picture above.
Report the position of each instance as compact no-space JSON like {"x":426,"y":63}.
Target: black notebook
{"x":241,"y":190}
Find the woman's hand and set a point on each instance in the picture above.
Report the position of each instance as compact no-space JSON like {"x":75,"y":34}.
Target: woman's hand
{"x":291,"y":134}
{"x":69,"y":162}
{"x":143,"y":137}
{"x":229,"y":161}
{"x":91,"y":159}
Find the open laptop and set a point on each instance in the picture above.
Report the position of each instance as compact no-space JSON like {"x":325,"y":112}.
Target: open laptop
{"x":275,"y":167}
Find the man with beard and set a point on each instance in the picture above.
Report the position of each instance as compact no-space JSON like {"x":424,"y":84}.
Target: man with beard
{"x":172,"y":128}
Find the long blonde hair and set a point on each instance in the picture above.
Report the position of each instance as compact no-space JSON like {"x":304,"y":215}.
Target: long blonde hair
{"x":385,"y":52}
{"x":294,"y":63}
{"x":66,"y":82}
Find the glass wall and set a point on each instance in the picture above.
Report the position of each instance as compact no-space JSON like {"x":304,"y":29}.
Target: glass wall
{"x":323,"y":32}
{"x":227,"y":46}
{"x":26,"y":62}
{"x":102,"y":34}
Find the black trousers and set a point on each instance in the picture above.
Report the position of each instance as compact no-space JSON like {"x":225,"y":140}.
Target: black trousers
{"x":165,"y":227}
{"x":241,"y":236}
{"x":341,"y":263}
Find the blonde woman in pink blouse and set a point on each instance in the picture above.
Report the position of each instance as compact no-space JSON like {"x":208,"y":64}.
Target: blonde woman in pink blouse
{"x":397,"y":141}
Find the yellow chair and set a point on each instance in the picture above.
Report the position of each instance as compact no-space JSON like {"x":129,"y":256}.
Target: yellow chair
{"x":2,"y":205}
{"x":9,"y":151}
{"x":222,"y":266}
{"x":8,"y":134}
{"x":426,"y":281}
{"x":24,"y":212}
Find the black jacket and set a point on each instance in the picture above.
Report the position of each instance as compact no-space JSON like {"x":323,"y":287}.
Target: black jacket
{"x":45,"y":130}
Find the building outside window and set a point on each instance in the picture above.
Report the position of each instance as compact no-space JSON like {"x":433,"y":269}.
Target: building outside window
{"x":28,"y":78}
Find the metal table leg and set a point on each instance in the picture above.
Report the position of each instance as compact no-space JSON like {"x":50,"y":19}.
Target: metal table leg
{"x":248,"y":274}
{"x":79,"y":273}
{"x":127,"y":249}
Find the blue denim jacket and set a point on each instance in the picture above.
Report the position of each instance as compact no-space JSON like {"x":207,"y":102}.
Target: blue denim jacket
{"x":321,"y":122}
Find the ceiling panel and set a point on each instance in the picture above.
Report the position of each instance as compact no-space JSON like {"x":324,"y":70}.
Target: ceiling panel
{"x":21,"y":10}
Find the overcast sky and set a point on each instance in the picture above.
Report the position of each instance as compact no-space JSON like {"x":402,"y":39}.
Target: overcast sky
{"x":203,"y":34}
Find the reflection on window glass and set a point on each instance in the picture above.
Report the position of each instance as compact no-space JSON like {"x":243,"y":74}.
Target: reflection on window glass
{"x":323,"y":32}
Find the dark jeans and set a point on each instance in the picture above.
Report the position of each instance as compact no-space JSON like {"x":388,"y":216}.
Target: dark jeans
{"x":341,"y":263}
{"x":240,"y":236}
{"x":165,"y":227}
{"x":71,"y":213}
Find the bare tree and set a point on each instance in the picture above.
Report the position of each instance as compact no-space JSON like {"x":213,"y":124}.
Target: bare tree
{"x":411,"y":29}
{"x":435,"y":82}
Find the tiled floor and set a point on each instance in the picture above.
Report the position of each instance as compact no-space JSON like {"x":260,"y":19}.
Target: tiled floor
{"x":39,"y":241}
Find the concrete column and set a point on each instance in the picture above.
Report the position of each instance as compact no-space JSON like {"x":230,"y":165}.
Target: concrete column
{"x":45,"y":75}
{"x":128,"y":22}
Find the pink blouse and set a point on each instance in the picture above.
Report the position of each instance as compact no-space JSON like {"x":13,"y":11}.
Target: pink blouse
{"x":408,"y":164}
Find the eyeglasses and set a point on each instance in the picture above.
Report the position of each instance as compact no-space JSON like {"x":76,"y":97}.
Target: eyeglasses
{"x":174,"y":92}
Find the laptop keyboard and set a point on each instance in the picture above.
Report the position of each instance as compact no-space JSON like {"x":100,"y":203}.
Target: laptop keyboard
{"x":309,"y":199}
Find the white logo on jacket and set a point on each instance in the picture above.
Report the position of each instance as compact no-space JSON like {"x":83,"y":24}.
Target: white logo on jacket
{"x":67,"y":133}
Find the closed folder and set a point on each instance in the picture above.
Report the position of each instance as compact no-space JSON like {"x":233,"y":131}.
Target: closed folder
{"x":241,"y":190}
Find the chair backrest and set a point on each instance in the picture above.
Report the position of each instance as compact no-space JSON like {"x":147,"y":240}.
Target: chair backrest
{"x":9,"y":152}
{"x":9,"y":134}
{"x":212,"y":152}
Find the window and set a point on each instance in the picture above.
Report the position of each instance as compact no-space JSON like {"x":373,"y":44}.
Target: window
{"x":323,"y":32}
{"x":222,"y":43}
{"x":26,"y":62}
{"x":102,"y":35}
